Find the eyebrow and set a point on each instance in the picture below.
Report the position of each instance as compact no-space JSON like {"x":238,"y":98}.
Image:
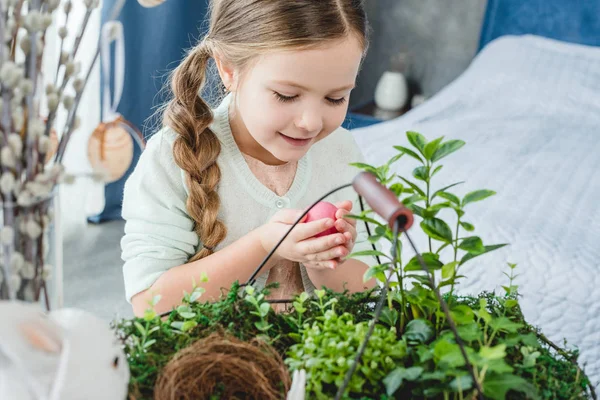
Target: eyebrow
{"x":288,"y":83}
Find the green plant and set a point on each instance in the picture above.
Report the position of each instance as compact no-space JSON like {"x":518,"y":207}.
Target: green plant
{"x":412,"y":353}
{"x":328,"y":345}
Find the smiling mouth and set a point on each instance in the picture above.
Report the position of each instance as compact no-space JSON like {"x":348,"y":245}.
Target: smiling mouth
{"x":295,"y":141}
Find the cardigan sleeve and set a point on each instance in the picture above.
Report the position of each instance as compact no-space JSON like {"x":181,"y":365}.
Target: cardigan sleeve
{"x":159,"y":233}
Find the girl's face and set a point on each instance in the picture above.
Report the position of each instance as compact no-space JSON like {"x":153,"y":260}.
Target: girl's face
{"x":289,"y":100}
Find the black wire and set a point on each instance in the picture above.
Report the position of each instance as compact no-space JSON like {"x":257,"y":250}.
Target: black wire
{"x":252,"y":278}
{"x":449,"y":319}
{"x":362,"y":208}
{"x":378,"y":310}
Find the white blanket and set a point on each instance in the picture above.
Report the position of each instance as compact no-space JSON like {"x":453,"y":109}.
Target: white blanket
{"x":529,"y":111}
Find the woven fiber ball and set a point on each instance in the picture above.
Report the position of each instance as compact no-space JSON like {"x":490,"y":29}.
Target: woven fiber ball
{"x":225,"y":365}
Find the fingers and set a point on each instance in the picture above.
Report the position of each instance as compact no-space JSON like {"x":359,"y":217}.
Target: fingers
{"x":346,"y":228}
{"x":341,"y":214}
{"x":344,"y":205}
{"x":327,"y":254}
{"x":314,"y":246}
{"x":320,"y":265}
{"x":309,"y":229}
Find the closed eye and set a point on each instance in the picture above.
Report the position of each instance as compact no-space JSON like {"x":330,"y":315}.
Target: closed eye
{"x":116,"y":362}
{"x":284,"y":99}
{"x":336,"y":102}
{"x":288,"y":99}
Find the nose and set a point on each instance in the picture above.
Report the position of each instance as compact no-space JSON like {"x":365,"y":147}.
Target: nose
{"x":311,"y":121}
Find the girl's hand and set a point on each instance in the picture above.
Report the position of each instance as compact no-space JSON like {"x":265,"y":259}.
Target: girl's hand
{"x":301,"y":245}
{"x":347,"y":227}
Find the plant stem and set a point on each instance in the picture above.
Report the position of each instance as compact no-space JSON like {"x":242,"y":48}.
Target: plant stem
{"x":62,"y":42}
{"x":455,"y":258}
{"x":428,"y":200}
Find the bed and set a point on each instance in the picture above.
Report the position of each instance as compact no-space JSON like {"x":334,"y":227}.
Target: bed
{"x":528,"y":108}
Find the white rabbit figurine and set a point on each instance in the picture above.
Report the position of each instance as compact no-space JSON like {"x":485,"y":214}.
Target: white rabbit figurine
{"x":67,"y":354}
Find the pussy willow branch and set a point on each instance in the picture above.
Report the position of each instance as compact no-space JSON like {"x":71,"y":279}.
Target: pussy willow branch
{"x":82,"y":29}
{"x":62,"y":45}
{"x":18,"y":18}
{"x":31,"y":111}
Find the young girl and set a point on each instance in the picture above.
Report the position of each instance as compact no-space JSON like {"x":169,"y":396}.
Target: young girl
{"x":215,"y":190}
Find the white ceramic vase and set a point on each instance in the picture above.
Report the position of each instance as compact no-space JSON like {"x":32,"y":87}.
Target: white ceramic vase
{"x":391,"y":92}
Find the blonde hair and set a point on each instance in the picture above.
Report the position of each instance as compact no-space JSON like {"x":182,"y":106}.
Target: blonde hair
{"x":240,"y":30}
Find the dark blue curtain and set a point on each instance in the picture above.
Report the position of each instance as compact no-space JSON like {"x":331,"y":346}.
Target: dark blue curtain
{"x":155,"y":42}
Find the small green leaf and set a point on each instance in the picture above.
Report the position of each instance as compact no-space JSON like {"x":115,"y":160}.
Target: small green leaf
{"x":469,"y":332}
{"x":365,"y":167}
{"x":437,"y":229}
{"x":431,"y":147}
{"x":447,"y":148}
{"x":449,"y":269}
{"x":362,"y":218}
{"x":149,"y":343}
{"x":467,"y":226}
{"x":434,"y":209}
{"x":412,"y":199}
{"x":431,"y":260}
{"x":393,"y":381}
{"x":472,"y":244}
{"x":477,"y":195}
{"x":262,"y":326}
{"x":510,"y":303}
{"x":489,"y":248}
{"x":203,"y":277}
{"x":413,"y":373}
{"x":420,"y":211}
{"x":187,"y":315}
{"x":389,"y":317}
{"x":395,"y":378}
{"x":177,"y":325}
{"x":458,"y":210}
{"x":530,"y":340}
{"x":462,"y":314}
{"x":376,"y":271}
{"x":421,"y":173}
{"x":506,"y":325}
{"x":140,"y":328}
{"x":409,"y":152}
{"x":449,"y":196}
{"x":448,"y":354}
{"x":397,"y":189}
{"x":493,"y":353}
{"x":394,"y":159}
{"x":188,"y":325}
{"x":196,"y":294}
{"x":149,"y":315}
{"x":419,"y":330}
{"x":436,"y":170}
{"x":461,"y":383}
{"x":264,"y":309}
{"x":497,"y":386}
{"x":367,"y":253}
{"x":415,"y":187}
{"x":417,"y":140}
